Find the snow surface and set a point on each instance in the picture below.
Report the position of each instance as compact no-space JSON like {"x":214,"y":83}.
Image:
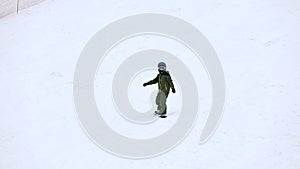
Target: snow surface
{"x":257,"y":41}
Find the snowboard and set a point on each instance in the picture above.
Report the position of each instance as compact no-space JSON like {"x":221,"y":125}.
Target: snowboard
{"x":160,"y":115}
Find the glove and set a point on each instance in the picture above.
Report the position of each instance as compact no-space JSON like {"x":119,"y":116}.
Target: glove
{"x":145,"y":84}
{"x":173,"y":90}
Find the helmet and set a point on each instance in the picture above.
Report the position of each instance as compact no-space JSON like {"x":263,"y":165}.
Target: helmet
{"x":161,"y":64}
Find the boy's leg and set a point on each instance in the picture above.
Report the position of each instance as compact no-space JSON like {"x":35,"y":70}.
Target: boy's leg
{"x":164,"y":104}
{"x":157,"y":101}
{"x":161,"y":102}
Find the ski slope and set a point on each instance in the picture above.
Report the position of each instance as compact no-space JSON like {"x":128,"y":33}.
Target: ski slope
{"x":257,"y":42}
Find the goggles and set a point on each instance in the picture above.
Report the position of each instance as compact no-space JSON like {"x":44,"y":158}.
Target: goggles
{"x":161,"y":68}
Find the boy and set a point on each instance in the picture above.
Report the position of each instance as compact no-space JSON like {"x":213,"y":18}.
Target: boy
{"x":165,"y":82}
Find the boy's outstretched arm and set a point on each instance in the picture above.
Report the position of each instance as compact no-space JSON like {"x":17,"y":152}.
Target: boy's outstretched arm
{"x":155,"y":80}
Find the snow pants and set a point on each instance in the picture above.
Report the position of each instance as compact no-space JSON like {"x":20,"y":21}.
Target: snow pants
{"x":160,"y":101}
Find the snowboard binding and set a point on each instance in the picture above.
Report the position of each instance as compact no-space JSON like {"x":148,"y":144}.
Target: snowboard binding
{"x":161,"y":115}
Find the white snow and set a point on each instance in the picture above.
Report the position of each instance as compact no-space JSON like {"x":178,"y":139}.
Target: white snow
{"x":257,"y":41}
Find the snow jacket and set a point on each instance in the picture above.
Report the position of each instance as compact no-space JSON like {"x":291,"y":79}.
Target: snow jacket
{"x":164,"y":81}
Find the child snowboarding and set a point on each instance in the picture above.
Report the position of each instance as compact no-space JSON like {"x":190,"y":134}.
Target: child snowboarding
{"x":165,"y":83}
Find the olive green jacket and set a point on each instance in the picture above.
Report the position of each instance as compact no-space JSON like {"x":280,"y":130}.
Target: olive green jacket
{"x":164,"y":81}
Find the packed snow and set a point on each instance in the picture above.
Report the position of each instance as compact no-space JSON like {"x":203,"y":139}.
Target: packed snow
{"x":257,"y":42}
